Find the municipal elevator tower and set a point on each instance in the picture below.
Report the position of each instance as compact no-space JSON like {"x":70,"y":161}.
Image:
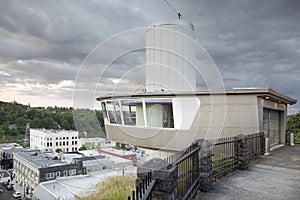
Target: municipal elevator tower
{"x":170,"y":57}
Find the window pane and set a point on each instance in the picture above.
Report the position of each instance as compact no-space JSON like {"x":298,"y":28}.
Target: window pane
{"x":129,"y":112}
{"x":114,"y":113}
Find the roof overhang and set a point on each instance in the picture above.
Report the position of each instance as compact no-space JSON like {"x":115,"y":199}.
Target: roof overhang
{"x":266,"y":93}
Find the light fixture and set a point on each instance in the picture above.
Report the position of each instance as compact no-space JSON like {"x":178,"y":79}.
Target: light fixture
{"x":267,"y":97}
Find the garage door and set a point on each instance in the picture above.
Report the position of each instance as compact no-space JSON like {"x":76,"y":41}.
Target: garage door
{"x":271,"y":123}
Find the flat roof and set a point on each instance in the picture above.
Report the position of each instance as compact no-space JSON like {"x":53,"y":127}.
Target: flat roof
{"x":52,"y":131}
{"x":40,"y":159}
{"x":81,"y":185}
{"x":262,"y":92}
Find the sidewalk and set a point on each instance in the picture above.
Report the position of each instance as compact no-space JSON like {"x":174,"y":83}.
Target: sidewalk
{"x":271,"y":177}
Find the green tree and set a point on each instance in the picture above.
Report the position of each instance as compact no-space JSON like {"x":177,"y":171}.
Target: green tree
{"x":118,"y":145}
{"x":82,"y":148}
{"x":294,"y":122}
{"x":58,"y":150}
{"x":123,"y":146}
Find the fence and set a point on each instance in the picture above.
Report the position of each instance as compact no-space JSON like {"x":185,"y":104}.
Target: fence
{"x":227,"y":152}
{"x":184,"y":173}
{"x":296,"y":136}
{"x":143,"y":188}
{"x":188,"y":173}
{"x":256,"y":145}
{"x":224,"y":156}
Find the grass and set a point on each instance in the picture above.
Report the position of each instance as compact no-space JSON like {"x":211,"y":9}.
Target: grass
{"x":113,"y":188}
{"x":219,"y":160}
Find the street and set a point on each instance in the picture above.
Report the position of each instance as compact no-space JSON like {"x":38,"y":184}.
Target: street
{"x":6,"y":194}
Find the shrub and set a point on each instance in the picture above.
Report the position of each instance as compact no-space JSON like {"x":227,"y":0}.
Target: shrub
{"x":114,"y":188}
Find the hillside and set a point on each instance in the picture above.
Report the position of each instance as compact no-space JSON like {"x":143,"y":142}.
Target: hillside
{"x":15,"y":116}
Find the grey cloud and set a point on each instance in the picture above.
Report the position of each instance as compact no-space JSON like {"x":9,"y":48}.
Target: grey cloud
{"x":254,"y":43}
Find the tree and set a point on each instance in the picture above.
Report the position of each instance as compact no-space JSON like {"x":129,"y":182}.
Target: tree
{"x":123,"y":146}
{"x":82,"y":148}
{"x":58,"y":150}
{"x":294,"y":122}
{"x":118,"y":145}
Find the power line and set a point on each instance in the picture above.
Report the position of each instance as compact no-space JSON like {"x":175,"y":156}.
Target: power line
{"x":172,"y":8}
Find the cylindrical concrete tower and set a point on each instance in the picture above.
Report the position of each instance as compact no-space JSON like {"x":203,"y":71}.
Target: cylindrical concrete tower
{"x":170,"y":57}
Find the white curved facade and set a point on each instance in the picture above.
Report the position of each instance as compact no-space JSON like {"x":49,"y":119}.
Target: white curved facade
{"x":170,"y":56}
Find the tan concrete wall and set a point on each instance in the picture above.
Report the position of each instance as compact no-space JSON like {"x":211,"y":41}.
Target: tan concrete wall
{"x":228,"y":116}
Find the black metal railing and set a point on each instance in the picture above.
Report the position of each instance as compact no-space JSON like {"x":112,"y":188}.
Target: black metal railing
{"x":143,"y":188}
{"x":224,"y":156}
{"x":256,"y":145}
{"x":188,"y":173}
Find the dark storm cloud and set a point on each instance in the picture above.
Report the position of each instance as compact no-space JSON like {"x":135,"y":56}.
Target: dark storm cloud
{"x":43,"y":43}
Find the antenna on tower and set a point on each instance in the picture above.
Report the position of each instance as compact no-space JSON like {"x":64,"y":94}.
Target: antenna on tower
{"x":179,"y":15}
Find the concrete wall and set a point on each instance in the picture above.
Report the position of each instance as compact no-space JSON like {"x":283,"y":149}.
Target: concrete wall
{"x":228,"y":116}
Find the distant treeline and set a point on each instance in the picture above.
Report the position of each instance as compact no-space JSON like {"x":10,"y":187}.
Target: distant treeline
{"x":294,"y":122}
{"x":15,"y":116}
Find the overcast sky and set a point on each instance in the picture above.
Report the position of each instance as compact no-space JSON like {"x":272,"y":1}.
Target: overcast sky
{"x":43,"y":44}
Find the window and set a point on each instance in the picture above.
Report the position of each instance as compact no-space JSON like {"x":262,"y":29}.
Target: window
{"x":75,"y":142}
{"x":63,"y":137}
{"x":155,"y":112}
{"x":57,"y":174}
{"x":72,"y":142}
{"x":72,"y":172}
{"x":67,"y":138}
{"x":67,"y":142}
{"x":50,"y":175}
{"x":64,"y":143}
{"x":129,"y":111}
{"x":114,"y":112}
{"x":59,"y":143}
{"x":56,"y":143}
{"x":65,"y":172}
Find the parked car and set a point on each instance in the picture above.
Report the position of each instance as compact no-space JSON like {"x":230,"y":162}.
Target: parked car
{"x":9,"y":187}
{"x":17,"y":194}
{"x":5,"y":183}
{"x":1,"y":190}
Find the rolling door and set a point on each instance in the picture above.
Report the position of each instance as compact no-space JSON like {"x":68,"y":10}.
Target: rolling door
{"x":271,"y":123}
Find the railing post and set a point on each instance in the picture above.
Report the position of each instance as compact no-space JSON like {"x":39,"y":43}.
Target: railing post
{"x":205,"y":165}
{"x":267,"y":144}
{"x":292,"y":139}
{"x":243,"y":152}
{"x":166,"y":176}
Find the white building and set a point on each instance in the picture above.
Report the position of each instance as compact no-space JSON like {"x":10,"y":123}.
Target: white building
{"x":50,"y":140}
